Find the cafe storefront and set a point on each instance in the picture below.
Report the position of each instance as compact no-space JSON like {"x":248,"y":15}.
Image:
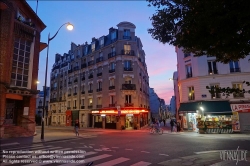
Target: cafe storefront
{"x":125,"y":118}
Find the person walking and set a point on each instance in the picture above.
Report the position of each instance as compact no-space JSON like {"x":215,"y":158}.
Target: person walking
{"x":172,"y":125}
{"x":77,"y":126}
{"x":164,"y":121}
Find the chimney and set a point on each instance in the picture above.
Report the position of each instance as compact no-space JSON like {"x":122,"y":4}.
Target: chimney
{"x":86,"y":43}
{"x":93,"y":39}
{"x":111,"y":29}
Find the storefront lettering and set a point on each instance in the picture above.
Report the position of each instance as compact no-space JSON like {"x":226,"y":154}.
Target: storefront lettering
{"x":122,"y":111}
{"x":240,"y":107}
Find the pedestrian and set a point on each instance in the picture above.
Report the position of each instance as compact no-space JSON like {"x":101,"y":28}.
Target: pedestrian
{"x":172,"y":125}
{"x":77,"y":126}
{"x":164,"y":121}
{"x":178,"y":126}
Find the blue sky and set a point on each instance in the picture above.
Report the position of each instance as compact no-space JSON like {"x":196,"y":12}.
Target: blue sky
{"x":93,"y":19}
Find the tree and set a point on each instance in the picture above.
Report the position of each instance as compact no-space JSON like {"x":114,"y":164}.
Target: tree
{"x":227,"y":91}
{"x":219,"y":28}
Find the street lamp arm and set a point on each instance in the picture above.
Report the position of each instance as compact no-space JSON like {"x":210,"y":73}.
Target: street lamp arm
{"x":57,"y":32}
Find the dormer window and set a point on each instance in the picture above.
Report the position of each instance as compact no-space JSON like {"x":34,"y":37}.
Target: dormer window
{"x":78,"y":52}
{"x":93,"y":46}
{"x":126,"y":34}
{"x":101,"y":41}
{"x":86,"y":50}
{"x":113,"y":35}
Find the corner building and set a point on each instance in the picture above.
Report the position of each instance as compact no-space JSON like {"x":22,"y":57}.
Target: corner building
{"x":104,"y":84}
{"x":19,"y":59}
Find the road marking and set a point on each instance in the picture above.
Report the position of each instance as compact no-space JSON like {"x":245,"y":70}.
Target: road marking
{"x":141,"y":163}
{"x":128,"y":149}
{"x":204,"y":152}
{"x":114,"y":162}
{"x":163,"y":154}
{"x":91,"y":144}
{"x":145,"y":152}
{"x":9,"y":144}
{"x":98,"y":150}
{"x":89,"y":160}
{"x":115,"y":147}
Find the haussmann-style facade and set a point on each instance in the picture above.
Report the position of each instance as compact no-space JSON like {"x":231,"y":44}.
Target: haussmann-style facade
{"x":104,"y":84}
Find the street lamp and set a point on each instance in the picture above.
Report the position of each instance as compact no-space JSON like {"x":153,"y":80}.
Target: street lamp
{"x":69,"y":27}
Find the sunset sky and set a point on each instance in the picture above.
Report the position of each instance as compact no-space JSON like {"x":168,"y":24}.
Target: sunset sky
{"x":93,"y":19}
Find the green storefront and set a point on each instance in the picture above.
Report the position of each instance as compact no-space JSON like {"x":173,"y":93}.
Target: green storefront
{"x":206,"y":116}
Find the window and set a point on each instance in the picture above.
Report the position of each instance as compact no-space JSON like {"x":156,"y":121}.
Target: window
{"x":78,"y":52}
{"x":101,"y":42}
{"x":99,"y":101}
{"x":112,"y":66}
{"x":214,"y":91}
{"x":187,"y":54}
{"x":100,"y":54}
{"x":68,"y":103}
{"x":112,"y":82}
{"x":112,"y":49}
{"x":99,"y":70}
{"x":191,"y":93}
{"x":86,"y":50}
{"x":127,"y":64}
{"x":90,"y":101}
{"x":112,"y":99}
{"x":212,"y":69}
{"x":234,"y":66}
{"x":83,"y":88}
{"x":69,"y":91}
{"x":126,"y":34}
{"x":90,"y":86}
{"x":128,"y":99}
{"x":20,"y":63}
{"x":93,"y":46}
{"x":189,"y":71}
{"x":82,"y":102}
{"x":99,"y":85}
{"x":75,"y":89}
{"x":75,"y":103}
{"x":128,"y":80}
{"x":127,"y":47}
{"x":113,"y":35}
{"x":238,"y":87}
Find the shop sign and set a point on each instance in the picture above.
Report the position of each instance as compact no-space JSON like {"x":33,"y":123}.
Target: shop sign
{"x":235,"y":121}
{"x":103,"y":115}
{"x":240,"y":107}
{"x":95,"y":112}
{"x":122,"y":111}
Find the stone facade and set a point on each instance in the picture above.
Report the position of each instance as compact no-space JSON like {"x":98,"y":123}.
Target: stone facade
{"x":85,"y":79}
{"x":19,"y":24}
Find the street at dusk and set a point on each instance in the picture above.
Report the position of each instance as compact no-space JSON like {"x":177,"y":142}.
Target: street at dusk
{"x":124,"y":83}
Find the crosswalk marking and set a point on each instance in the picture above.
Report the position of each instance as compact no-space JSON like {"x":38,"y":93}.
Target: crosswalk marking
{"x":141,"y":163}
{"x":114,"y":162}
{"x":145,"y":152}
{"x":163,"y":154}
{"x":9,"y":144}
{"x":89,"y":160}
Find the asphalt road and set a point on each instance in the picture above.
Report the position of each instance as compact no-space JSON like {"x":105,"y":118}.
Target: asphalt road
{"x":143,"y":148}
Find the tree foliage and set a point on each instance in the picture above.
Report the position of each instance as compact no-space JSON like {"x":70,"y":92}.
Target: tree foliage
{"x":227,"y":91}
{"x":219,"y":28}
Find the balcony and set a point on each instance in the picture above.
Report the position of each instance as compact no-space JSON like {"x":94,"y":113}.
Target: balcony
{"x":238,"y":95}
{"x":83,"y":78}
{"x":75,"y":81}
{"x":98,"y":106}
{"x":69,"y":95}
{"x":187,"y":55}
{"x":61,"y":75}
{"x":91,"y":76}
{"x":70,"y":71}
{"x":99,"y":74}
{"x":75,"y":94}
{"x":68,"y":108}
{"x":129,"y":105}
{"x":53,"y":100}
{"x":40,"y":107}
{"x":189,"y":75}
{"x":111,"y":70}
{"x":128,"y":87}
{"x":90,"y":106}
{"x":111,"y":105}
{"x":100,"y":59}
{"x":111,"y":55}
{"x":82,"y":107}
{"x":61,"y":87}
{"x":99,"y":90}
{"x":84,"y":65}
{"x":128,"y":52}
{"x":111,"y":87}
{"x":127,"y":37}
{"x":69,"y":82}
{"x":216,"y":96}
{"x":90,"y":63}
{"x":53,"y":88}
{"x":233,"y":70}
{"x":128,"y":69}
{"x":74,"y":107}
{"x":90,"y":91}
{"x":83,"y":92}
{"x":212,"y":72}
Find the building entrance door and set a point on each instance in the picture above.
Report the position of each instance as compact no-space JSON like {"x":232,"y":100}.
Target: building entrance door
{"x":11,"y":110}
{"x":129,"y":120}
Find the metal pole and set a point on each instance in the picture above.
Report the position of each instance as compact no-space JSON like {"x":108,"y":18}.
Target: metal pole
{"x":45,"y":89}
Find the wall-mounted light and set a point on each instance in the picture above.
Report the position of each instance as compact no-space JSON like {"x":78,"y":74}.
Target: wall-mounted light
{"x":202,"y":108}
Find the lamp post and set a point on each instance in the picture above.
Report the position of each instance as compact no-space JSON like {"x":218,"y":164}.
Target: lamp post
{"x":69,"y":27}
